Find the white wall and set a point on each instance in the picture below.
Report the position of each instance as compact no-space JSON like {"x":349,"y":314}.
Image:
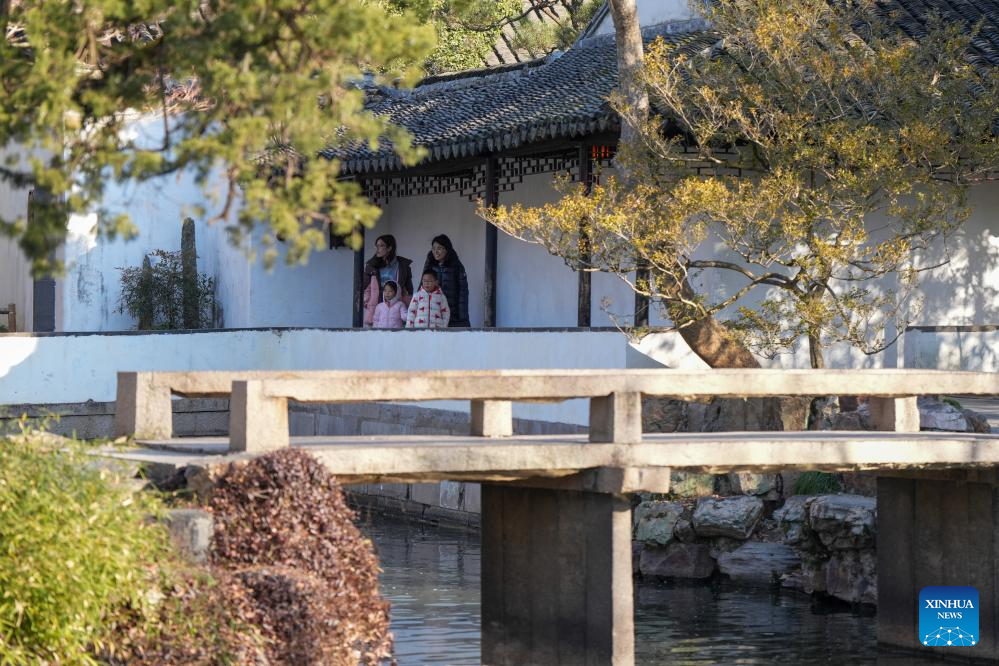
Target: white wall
{"x":16,"y":284}
{"x":651,"y":12}
{"x":953,"y":350}
{"x":91,"y":288}
{"x":78,"y":367}
{"x":414,"y":221}
{"x":319,"y":293}
{"x":966,"y":290}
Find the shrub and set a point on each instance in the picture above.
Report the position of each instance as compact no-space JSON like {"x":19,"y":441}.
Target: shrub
{"x":205,"y":619}
{"x":76,"y":547}
{"x":155,"y":296}
{"x":816,"y":483}
{"x":282,"y":524}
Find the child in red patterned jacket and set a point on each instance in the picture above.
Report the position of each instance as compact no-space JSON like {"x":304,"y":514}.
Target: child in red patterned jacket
{"x":429,"y":308}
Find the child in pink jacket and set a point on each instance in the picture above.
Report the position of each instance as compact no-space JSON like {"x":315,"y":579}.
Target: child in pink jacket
{"x":429,"y":308}
{"x":390,"y":313}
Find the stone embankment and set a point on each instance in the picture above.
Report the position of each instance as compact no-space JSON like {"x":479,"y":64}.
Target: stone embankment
{"x":752,"y":528}
{"x":816,"y":544}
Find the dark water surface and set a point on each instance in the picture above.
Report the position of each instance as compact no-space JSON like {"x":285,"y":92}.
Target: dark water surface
{"x":431,"y":576}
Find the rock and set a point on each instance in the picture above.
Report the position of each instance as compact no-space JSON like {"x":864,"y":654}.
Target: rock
{"x":200,"y":480}
{"x":722,"y":545}
{"x":851,"y":575}
{"x":934,"y":414}
{"x":977,"y":422}
{"x":844,"y":522}
{"x":636,"y":556}
{"x":691,"y":484}
{"x":191,"y":532}
{"x":663,"y":414}
{"x":734,"y":415}
{"x":824,"y":412}
{"x":653,"y":521}
{"x":792,"y":519}
{"x":860,"y":483}
{"x":794,"y":412}
{"x":755,"y":562}
{"x":751,"y":483}
{"x":684,"y":531}
{"x":851,"y":421}
{"x":678,"y":560}
{"x":733,"y":517}
{"x":809,"y":577}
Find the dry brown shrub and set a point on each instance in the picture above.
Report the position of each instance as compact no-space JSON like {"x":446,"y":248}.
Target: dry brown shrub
{"x":203,"y":620}
{"x":282,"y":525}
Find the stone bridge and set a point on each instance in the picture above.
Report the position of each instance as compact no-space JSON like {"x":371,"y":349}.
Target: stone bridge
{"x":556,"y":526}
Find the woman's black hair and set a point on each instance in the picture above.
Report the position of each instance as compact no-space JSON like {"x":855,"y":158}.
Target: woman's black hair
{"x":389,"y":240}
{"x":452,"y":257}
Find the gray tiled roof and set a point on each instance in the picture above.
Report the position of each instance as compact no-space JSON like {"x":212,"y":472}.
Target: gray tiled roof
{"x":565,"y":95}
{"x":453,"y":116}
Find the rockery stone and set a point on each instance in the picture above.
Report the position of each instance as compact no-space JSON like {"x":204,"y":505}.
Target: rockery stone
{"x":733,"y":517}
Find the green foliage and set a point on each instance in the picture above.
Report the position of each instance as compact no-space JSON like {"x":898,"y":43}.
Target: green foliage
{"x":245,"y":91}
{"x":808,"y":158}
{"x":77,"y":545}
{"x":953,"y":402}
{"x":536,"y":36}
{"x":156,"y":295}
{"x":816,"y":483}
{"x":466,"y":29}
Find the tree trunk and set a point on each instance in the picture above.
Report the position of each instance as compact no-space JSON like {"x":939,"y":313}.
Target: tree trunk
{"x":715,"y":345}
{"x":707,"y":337}
{"x":630,"y":56}
{"x":815,"y":351}
{"x":189,"y":271}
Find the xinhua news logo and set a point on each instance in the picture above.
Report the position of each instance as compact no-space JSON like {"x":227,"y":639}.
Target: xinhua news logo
{"x":948,"y":616}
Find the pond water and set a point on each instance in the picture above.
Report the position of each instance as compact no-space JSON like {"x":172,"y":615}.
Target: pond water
{"x":431,"y":576}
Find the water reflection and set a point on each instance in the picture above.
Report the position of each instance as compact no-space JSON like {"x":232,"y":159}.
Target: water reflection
{"x":431,"y":576}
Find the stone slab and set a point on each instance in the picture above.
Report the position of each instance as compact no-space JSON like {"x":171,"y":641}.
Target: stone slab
{"x":431,"y":458}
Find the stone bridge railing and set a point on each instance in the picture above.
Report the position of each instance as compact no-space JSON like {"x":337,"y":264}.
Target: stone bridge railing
{"x":556,"y":528}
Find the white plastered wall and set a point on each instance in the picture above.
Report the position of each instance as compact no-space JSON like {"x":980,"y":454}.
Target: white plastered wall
{"x":651,"y":12}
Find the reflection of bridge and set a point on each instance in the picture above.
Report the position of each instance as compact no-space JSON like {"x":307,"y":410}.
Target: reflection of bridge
{"x":556,"y":529}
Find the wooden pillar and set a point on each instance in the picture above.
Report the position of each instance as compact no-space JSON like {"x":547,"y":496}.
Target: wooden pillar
{"x":359,"y":285}
{"x":556,"y":577}
{"x":641,"y":300}
{"x":492,"y":238}
{"x":584,"y":291}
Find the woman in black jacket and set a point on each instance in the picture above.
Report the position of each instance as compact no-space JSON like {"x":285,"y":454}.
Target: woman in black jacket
{"x":451,"y":274}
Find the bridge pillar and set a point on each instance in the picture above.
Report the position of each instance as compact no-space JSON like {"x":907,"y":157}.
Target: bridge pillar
{"x":556,"y":577}
{"x":937,"y":528}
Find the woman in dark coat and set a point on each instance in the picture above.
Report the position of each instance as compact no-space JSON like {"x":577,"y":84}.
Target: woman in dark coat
{"x":381,"y":268}
{"x":451,"y":274}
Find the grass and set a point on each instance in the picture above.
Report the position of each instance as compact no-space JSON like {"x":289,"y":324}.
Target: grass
{"x":816,"y":483}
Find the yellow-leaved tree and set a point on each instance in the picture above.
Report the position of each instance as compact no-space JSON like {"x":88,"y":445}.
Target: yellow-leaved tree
{"x":809,"y":157}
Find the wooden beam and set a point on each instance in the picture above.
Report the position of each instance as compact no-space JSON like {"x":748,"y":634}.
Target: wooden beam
{"x":584,"y":288}
{"x":492,"y":240}
{"x":358,"y":320}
